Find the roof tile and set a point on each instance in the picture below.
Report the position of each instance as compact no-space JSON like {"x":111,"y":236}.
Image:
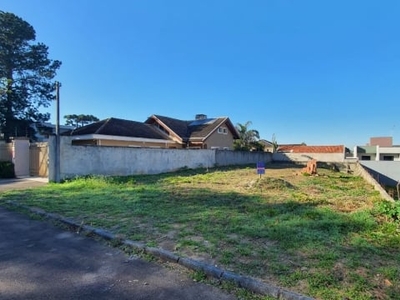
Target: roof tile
{"x":312,"y":149}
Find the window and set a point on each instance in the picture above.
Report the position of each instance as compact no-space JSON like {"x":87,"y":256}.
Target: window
{"x":222,"y":130}
{"x":365,"y":157}
{"x":388,"y":157}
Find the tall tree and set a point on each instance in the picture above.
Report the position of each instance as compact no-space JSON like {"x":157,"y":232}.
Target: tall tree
{"x":248,"y":138}
{"x":79,"y":120}
{"x":26,"y":75}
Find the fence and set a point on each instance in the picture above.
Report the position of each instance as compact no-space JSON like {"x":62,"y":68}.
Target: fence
{"x":305,"y":157}
{"x":38,"y":159}
{"x":94,"y":160}
{"x":5,"y":152}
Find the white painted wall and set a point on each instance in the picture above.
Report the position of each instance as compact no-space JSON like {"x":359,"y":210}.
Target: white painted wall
{"x":20,"y":157}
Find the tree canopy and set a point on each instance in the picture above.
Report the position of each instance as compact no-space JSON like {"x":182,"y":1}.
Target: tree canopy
{"x":79,"y":120}
{"x":26,"y":77}
{"x":248,"y":138}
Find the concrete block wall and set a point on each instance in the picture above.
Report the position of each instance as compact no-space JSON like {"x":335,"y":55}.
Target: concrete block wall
{"x":305,"y":157}
{"x":360,"y":171}
{"x":122,"y":161}
{"x":228,"y":158}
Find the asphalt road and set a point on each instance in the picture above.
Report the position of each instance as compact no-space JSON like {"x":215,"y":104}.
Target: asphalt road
{"x":40,"y":261}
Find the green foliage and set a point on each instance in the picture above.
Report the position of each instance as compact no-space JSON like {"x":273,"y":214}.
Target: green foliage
{"x":26,"y":75}
{"x":390,"y":210}
{"x":274,"y":143}
{"x":248,"y":138}
{"x":7,"y":169}
{"x":198,"y":276}
{"x":79,"y":120}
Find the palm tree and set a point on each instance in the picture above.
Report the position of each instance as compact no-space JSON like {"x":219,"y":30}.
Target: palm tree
{"x":248,"y":138}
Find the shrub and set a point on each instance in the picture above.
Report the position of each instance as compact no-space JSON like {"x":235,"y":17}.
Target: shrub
{"x":7,"y":169}
{"x":390,"y":209}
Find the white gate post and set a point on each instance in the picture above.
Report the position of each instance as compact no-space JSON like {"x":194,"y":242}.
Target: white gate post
{"x":20,"y":157}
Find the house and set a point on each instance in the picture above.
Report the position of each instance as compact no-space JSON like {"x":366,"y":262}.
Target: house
{"x":303,"y":153}
{"x":158,"y":132}
{"x":270,"y":147}
{"x":311,"y":149}
{"x":120,"y":132}
{"x":200,"y":133}
{"x":379,"y":148}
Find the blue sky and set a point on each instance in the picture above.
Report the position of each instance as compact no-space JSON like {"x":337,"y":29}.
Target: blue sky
{"x":319,"y":72}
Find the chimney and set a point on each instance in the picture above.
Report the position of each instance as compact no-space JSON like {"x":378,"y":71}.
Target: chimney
{"x":201,"y":117}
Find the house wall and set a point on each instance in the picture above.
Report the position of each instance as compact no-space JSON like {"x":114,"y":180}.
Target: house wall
{"x":122,"y":143}
{"x":377,"y":153}
{"x":94,"y":160}
{"x":371,"y":155}
{"x":137,"y":144}
{"x":304,"y":157}
{"x":220,"y":140}
{"x":389,"y":151}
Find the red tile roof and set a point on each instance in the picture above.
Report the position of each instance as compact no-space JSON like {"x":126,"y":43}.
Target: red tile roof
{"x":312,"y":149}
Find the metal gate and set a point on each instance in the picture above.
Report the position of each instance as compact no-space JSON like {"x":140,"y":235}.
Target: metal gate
{"x":39,"y":159}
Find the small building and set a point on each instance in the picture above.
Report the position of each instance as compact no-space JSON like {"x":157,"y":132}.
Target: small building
{"x":379,"y":149}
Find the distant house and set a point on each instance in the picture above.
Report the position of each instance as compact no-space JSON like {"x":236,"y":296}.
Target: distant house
{"x":311,"y":149}
{"x":200,"y":133}
{"x":269,"y":146}
{"x":379,"y":148}
{"x":303,"y":153}
{"x":158,"y":132}
{"x":120,"y":132}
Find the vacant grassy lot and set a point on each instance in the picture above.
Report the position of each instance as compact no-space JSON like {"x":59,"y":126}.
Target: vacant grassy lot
{"x":327,"y":236}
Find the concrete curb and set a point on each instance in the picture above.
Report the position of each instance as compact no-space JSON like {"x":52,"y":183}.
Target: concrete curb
{"x":245,"y":282}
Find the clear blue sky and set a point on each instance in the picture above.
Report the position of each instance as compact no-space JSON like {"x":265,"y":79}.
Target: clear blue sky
{"x":319,"y":72}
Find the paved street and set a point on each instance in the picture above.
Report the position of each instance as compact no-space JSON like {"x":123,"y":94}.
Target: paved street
{"x":40,"y":261}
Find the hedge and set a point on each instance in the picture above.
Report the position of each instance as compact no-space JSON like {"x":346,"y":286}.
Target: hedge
{"x":7,"y":169}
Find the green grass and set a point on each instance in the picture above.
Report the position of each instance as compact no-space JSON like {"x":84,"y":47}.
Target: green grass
{"x":326,"y":236}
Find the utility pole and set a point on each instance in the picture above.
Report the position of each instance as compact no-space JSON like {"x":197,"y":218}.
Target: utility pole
{"x":57,"y":158}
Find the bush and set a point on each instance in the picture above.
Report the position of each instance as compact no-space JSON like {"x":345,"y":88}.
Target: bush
{"x":7,"y":169}
{"x":390,"y":209}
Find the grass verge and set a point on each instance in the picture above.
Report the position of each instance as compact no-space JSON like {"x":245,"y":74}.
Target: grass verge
{"x":326,"y":236}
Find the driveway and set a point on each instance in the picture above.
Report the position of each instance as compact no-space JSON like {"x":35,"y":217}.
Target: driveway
{"x":22,"y":183}
{"x":40,"y":261}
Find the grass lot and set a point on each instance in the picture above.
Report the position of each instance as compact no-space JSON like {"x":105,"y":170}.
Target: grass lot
{"x":328,"y":236}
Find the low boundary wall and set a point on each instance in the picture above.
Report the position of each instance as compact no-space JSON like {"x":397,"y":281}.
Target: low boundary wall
{"x":305,"y":157}
{"x":360,"y":171}
{"x":122,"y":161}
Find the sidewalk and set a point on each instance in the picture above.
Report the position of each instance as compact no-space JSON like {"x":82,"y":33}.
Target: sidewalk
{"x":22,"y":183}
